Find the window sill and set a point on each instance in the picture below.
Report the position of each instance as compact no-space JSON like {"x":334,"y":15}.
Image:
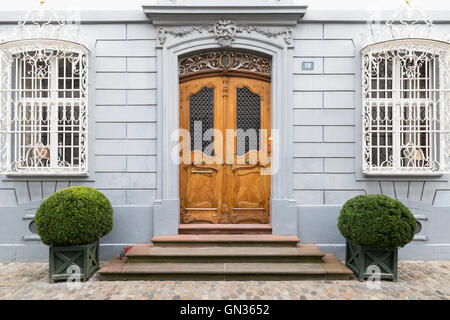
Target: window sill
{"x":50,"y":174}
{"x":62,"y":176}
{"x":403,"y":174}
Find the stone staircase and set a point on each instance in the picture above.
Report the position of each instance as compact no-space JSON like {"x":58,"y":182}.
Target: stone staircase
{"x":225,"y":257}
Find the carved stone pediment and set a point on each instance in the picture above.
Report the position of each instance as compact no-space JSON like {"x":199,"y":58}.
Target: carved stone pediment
{"x":225,"y":32}
{"x":225,"y":22}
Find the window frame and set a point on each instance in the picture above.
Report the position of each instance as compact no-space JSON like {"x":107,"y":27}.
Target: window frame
{"x":61,"y":50}
{"x":398,"y":104}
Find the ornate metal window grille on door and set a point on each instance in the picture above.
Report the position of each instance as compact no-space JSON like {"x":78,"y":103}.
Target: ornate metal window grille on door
{"x":406,"y":107}
{"x":201,"y":120}
{"x":248,"y":116}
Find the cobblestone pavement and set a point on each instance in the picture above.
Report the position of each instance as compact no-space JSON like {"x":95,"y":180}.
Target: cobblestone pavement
{"x":417,"y":280}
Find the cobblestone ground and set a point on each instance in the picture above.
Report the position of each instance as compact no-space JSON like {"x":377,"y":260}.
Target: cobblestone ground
{"x":417,"y":280}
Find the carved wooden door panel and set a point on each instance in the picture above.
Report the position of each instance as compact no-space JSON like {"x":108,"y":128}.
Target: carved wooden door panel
{"x":201,"y":178}
{"x":220,"y":184}
{"x":248,"y":178}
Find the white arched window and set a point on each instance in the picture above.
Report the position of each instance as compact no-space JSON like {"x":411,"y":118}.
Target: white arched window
{"x":406,"y":107}
{"x":406,"y":100}
{"x":43,"y":106}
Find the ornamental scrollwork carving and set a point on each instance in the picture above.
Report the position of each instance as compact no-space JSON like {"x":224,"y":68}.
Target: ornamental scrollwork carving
{"x":225,"y":60}
{"x":225,"y":32}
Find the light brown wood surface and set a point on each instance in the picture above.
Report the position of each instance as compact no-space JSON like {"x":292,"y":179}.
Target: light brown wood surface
{"x":225,"y":188}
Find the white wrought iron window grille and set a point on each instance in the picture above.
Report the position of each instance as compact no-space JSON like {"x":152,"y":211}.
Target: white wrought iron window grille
{"x":43,"y":106}
{"x":405,"y":96}
{"x":406,"y":107}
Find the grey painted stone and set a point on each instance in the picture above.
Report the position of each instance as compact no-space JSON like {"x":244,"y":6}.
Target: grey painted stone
{"x":324,"y":48}
{"x":110,"y":164}
{"x":339,"y":165}
{"x":131,"y":225}
{"x":339,"y":134}
{"x":324,"y":181}
{"x":125,"y":147}
{"x":166,"y":217}
{"x":308,"y":133}
{"x":141,"y":164}
{"x":387,"y":188}
{"x":141,"y":31}
{"x":401,"y":189}
{"x":141,"y":197}
{"x":283,"y":217}
{"x":104,"y":31}
{"x":48,"y":188}
{"x":339,"y":197}
{"x":340,"y":100}
{"x":114,"y":80}
{"x":35,"y":190}
{"x":324,"y":150}
{"x":62,"y":185}
{"x":141,"y":64}
{"x":111,"y":64}
{"x":323,"y":117}
{"x":309,"y":197}
{"x":344,"y":31}
{"x":308,"y":165}
{"x":308,"y":100}
{"x":309,"y":31}
{"x":133,"y":48}
{"x":318,"y":224}
{"x":7,"y":197}
{"x":110,"y":97}
{"x":141,"y":130}
{"x":317,"y":82}
{"x":116,"y":197}
{"x":442,"y":198}
{"x":126,"y":113}
{"x":123,"y":180}
{"x":141,"y":97}
{"x":340,"y":65}
{"x":415,"y":191}
{"x":110,"y":130}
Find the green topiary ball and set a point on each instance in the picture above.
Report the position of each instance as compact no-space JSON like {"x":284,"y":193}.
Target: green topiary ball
{"x":74,"y":216}
{"x":376,"y":221}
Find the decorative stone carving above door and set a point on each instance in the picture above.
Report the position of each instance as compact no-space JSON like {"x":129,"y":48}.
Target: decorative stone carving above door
{"x":225,"y":32}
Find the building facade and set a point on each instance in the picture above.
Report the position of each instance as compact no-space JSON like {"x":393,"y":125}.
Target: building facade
{"x":348,"y":109}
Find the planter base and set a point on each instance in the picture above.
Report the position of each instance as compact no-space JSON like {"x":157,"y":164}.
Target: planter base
{"x":73,"y":262}
{"x":366,"y":261}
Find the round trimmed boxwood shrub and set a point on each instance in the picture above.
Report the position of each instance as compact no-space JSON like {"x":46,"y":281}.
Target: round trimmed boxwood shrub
{"x":74,"y":216}
{"x":376,"y":221}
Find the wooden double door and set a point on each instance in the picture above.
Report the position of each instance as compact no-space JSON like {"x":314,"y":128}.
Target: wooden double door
{"x":225,"y":172}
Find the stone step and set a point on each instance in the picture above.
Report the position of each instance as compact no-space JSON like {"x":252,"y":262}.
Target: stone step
{"x":329,"y":269}
{"x":225,"y":229}
{"x":256,"y":240}
{"x":302,"y":253}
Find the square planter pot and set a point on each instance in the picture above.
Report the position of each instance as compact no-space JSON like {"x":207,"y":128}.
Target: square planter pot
{"x":359,"y":258}
{"x":65,"y":262}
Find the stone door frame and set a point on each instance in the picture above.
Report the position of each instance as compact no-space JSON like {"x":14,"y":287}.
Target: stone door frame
{"x":175,"y":41}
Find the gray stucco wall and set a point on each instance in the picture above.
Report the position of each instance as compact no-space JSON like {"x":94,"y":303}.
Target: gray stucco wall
{"x":326,"y":144}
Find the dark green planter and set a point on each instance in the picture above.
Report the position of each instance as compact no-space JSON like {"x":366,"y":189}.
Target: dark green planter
{"x":86,"y":257}
{"x":358,"y":258}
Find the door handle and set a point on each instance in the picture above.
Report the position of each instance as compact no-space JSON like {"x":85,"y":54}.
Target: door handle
{"x":202,"y":171}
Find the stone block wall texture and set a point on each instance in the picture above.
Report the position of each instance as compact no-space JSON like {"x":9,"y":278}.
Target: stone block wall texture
{"x":326,"y":145}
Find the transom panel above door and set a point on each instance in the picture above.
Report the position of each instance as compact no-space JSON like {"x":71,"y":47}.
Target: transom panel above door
{"x":225,"y":147}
